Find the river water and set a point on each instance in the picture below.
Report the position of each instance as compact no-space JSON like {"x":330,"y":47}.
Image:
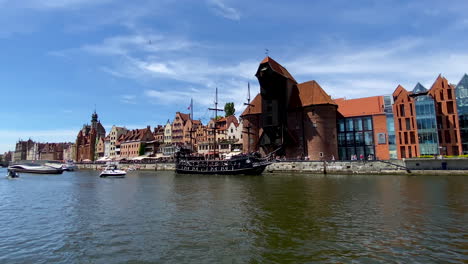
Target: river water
{"x":161,"y":217}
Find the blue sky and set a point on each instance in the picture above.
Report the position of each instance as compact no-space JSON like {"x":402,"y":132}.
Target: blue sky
{"x":141,"y":61}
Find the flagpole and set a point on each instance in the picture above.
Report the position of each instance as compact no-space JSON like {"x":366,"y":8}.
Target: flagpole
{"x":191,"y":108}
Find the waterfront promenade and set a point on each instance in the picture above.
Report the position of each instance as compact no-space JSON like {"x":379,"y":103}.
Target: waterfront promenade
{"x":398,"y":167}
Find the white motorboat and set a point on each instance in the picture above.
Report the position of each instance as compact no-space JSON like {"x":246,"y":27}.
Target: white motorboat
{"x":112,"y":171}
{"x":35,"y":168}
{"x":69,"y":166}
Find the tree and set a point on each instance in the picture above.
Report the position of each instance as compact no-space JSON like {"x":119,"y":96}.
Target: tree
{"x":141,"y":150}
{"x":229,"y":109}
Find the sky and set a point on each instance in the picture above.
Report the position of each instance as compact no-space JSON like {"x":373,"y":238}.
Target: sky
{"x":138,"y":62}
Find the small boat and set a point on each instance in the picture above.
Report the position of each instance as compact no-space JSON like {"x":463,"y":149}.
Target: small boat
{"x":111,"y":171}
{"x":69,"y":166}
{"x":35,"y":168}
{"x":12,"y":174}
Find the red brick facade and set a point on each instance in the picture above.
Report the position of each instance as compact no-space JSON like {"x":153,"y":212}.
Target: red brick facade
{"x":298,"y":119}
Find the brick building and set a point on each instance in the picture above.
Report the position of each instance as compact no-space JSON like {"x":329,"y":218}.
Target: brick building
{"x":300,"y":117}
{"x":426,"y":121}
{"x":136,"y":143}
{"x":21,"y":149}
{"x":178,"y":126}
{"x":447,"y":117}
{"x":87,"y":138}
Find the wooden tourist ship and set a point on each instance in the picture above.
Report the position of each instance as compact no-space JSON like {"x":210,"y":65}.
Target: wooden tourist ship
{"x":188,"y":162}
{"x":249,"y":164}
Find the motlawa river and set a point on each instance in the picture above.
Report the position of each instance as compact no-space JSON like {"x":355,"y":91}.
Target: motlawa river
{"x":161,"y":217}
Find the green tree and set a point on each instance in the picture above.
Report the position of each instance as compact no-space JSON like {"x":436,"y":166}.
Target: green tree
{"x":141,"y":151}
{"x":229,"y":109}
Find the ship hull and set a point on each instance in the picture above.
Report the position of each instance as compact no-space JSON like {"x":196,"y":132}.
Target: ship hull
{"x":221,"y":170}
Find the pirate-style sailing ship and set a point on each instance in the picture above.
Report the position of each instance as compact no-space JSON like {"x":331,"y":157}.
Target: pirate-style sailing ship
{"x":251,"y":163}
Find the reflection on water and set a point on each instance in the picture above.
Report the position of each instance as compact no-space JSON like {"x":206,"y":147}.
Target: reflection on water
{"x":275,"y":218}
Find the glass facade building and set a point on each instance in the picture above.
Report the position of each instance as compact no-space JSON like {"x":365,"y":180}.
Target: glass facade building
{"x":392,"y":147}
{"x":426,"y":122}
{"x":462,"y":106}
{"x":356,"y":138}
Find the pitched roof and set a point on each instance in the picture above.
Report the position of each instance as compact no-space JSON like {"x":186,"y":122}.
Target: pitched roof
{"x":278,"y":68}
{"x":361,"y":106}
{"x":439,"y":83}
{"x":310,"y":93}
{"x":255,"y":106}
{"x":184,"y":117}
{"x":419,"y":88}
{"x":135,"y":135}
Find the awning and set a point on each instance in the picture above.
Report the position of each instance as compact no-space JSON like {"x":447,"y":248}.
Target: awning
{"x":140,"y":158}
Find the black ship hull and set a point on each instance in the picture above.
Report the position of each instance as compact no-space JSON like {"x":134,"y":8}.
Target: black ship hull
{"x":221,"y":170}
{"x":243,"y":164}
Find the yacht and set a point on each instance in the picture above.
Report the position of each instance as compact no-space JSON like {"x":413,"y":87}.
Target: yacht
{"x":69,"y":166}
{"x":112,"y":171}
{"x":35,"y":168}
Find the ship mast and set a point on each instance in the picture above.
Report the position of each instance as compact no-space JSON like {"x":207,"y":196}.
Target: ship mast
{"x":215,"y":119}
{"x":248,"y":104}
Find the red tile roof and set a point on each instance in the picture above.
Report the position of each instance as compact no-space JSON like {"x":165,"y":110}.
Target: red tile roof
{"x":255,"y":106}
{"x":135,"y":135}
{"x":360,"y":106}
{"x":184,"y":117}
{"x":278,"y":68}
{"x":310,"y":93}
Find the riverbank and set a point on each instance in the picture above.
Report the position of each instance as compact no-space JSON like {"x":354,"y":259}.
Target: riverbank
{"x":394,"y":167}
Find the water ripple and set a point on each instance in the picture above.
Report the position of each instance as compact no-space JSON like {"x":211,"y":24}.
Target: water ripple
{"x":160,"y":217}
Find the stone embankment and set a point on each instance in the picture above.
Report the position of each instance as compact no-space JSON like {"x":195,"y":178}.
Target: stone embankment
{"x":400,"y":167}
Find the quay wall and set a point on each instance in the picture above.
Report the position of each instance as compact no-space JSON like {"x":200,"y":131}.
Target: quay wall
{"x":400,"y":167}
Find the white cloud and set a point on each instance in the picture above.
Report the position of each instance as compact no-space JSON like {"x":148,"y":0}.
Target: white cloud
{"x":126,"y":44}
{"x":221,"y":9}
{"x":128,"y":99}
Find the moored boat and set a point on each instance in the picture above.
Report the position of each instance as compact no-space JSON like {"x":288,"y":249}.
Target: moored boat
{"x":35,"y":168}
{"x":111,"y":171}
{"x":248,"y":164}
{"x":69,"y":166}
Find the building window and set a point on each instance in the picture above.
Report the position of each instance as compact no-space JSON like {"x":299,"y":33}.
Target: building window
{"x":450,"y":107}
{"x":447,"y":136}
{"x":408,"y":124}
{"x":402,"y":110}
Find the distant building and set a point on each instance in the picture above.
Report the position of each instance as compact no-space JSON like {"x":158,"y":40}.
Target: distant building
{"x":52,"y":151}
{"x":100,"y":148}
{"x":135,"y":143}
{"x":426,"y":121}
{"x":107,"y":146}
{"x":21,"y":149}
{"x":69,"y":152}
{"x":168,"y":133}
{"x":114,"y":135}
{"x":298,"y":117}
{"x":87,"y":137}
{"x":462,"y":107}
{"x":363,"y":131}
{"x":159,"y":134}
{"x":178,"y":126}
